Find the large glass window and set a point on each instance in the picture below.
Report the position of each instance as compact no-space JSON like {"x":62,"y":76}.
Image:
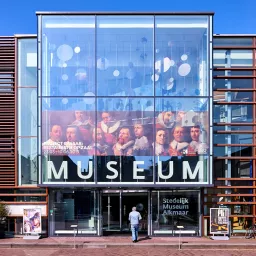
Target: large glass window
{"x":73,"y":207}
{"x":68,"y":54}
{"x":125,"y":55}
{"x":175,"y":208}
{"x":181,"y":57}
{"x":102,"y":79}
{"x":27,"y":111}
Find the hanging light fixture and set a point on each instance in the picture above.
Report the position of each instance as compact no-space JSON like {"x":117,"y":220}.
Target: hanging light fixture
{"x":77,"y":49}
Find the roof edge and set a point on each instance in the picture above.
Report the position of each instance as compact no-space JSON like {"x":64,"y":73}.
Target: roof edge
{"x":120,"y":13}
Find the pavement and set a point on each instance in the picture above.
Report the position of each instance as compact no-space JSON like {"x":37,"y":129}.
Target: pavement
{"x":121,"y":242}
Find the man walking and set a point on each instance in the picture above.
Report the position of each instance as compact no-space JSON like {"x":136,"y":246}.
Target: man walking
{"x":134,"y":218}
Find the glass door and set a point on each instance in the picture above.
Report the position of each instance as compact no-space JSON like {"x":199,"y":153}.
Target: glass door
{"x":116,"y":206}
{"x":140,"y":201}
{"x":111,"y":212}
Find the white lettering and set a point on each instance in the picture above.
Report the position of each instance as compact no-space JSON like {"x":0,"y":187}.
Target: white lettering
{"x":79,"y":171}
{"x":115,"y":175}
{"x":136,"y":170}
{"x":192,"y":175}
{"x":160,"y":171}
{"x":63,"y":168}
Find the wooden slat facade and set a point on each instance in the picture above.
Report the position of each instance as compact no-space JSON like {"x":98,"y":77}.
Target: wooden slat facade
{"x":7,"y":112}
{"x":235,"y":191}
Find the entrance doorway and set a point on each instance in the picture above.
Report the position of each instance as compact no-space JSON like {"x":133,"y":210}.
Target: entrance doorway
{"x":116,"y":207}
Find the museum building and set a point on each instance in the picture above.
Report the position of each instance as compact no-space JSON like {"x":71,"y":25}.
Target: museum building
{"x":100,"y":112}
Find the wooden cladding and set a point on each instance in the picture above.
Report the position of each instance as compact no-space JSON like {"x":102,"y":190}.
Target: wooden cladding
{"x":7,"y":112}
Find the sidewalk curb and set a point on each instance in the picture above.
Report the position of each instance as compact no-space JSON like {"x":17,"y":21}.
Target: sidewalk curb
{"x":123,"y":245}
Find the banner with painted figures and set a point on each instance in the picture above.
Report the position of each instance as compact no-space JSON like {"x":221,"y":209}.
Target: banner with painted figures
{"x":32,"y":221}
{"x":126,"y":140}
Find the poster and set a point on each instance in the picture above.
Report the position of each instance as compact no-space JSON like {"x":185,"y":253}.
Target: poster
{"x":126,"y":140}
{"x":32,"y":221}
{"x":219,"y":221}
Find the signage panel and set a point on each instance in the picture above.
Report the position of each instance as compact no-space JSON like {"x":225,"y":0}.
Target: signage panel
{"x":219,"y":218}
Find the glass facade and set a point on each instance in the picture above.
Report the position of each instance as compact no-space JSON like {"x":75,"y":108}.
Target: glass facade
{"x":27,"y":111}
{"x":109,"y":104}
{"x":125,"y":99}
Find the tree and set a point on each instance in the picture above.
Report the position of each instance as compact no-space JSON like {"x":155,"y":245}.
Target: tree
{"x":4,"y":211}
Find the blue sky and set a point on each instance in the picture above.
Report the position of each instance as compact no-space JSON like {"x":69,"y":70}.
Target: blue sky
{"x":231,"y":16}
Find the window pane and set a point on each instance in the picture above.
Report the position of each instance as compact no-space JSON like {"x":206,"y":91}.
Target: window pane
{"x":27,"y":156}
{"x":183,"y":124}
{"x":232,"y":83}
{"x":233,"y":96}
{"x":127,"y":128}
{"x":125,"y":55}
{"x":232,"y":73}
{"x":27,"y":62}
{"x":68,"y":50}
{"x":232,"y":151}
{"x":236,"y":58}
{"x":239,"y":169}
{"x":233,"y":128}
{"x":181,"y":60}
{"x":232,"y":139}
{"x":67,"y":128}
{"x":238,"y":113}
{"x":27,"y":118}
{"x":240,"y":41}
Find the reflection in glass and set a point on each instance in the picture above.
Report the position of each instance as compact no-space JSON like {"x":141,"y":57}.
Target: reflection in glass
{"x":27,"y":62}
{"x":73,"y":207}
{"x":27,"y":161}
{"x":125,"y":55}
{"x":27,"y":101}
